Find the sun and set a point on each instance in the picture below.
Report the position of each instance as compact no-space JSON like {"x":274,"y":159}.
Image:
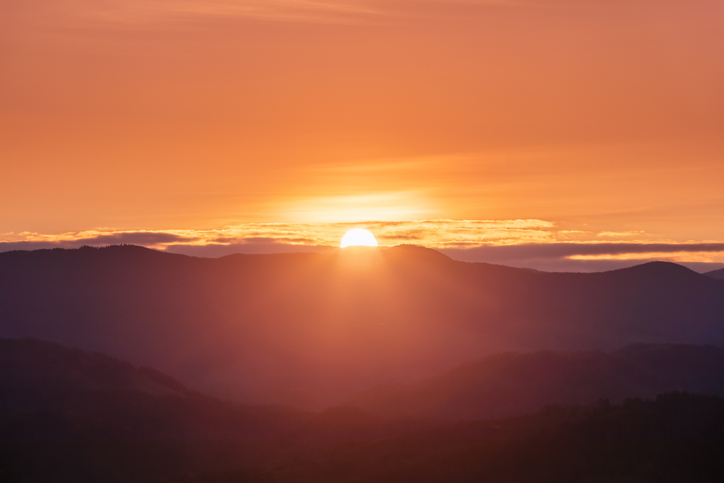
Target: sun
{"x":358,"y":237}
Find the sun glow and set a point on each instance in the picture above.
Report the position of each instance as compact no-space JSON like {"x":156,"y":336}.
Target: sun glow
{"x":358,"y":237}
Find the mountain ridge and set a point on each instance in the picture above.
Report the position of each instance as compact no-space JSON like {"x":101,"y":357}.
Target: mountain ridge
{"x":516,"y":383}
{"x":33,"y":363}
{"x":317,"y":329}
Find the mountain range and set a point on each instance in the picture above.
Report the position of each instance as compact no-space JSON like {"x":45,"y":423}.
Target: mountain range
{"x":514,"y":384}
{"x":314,"y":330}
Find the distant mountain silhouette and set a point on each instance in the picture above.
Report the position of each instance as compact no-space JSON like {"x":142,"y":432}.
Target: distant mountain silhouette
{"x":315,"y":329}
{"x":718,"y":274}
{"x":513,"y":384}
{"x":30,"y":365}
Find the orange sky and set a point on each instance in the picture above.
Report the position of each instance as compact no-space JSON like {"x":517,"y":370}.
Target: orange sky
{"x":601,"y":119}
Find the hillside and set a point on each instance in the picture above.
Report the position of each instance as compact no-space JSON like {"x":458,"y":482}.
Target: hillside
{"x":513,"y":384}
{"x":315,"y":329}
{"x":70,"y":416}
{"x":677,"y":438}
{"x":717,"y":274}
{"x":97,"y":394}
{"x":30,"y":365}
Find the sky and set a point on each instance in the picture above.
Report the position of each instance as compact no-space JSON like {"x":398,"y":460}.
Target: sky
{"x":554,"y":134}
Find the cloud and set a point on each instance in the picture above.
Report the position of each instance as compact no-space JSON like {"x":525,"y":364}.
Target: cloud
{"x":259,"y":248}
{"x":565,"y":250}
{"x":36,"y":241}
{"x":593,"y":257}
{"x":135,"y":238}
{"x":264,"y":237}
{"x":527,"y":242}
{"x":507,"y":239}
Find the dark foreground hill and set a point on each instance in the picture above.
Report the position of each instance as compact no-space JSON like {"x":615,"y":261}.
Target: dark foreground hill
{"x":677,"y":438}
{"x":512,"y":384}
{"x":71,"y":416}
{"x":315,"y":329}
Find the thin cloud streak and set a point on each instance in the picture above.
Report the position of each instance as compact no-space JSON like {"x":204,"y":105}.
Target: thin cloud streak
{"x":135,"y":12}
{"x":566,"y":250}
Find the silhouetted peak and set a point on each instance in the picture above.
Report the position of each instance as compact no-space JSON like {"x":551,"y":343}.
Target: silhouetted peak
{"x":658,"y":269}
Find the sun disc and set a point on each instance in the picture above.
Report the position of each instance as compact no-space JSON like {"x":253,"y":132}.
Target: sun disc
{"x":358,"y":237}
